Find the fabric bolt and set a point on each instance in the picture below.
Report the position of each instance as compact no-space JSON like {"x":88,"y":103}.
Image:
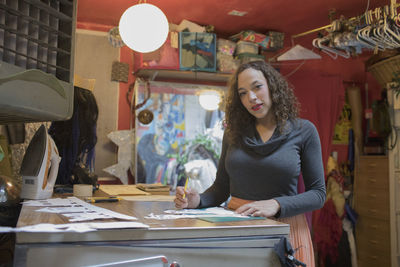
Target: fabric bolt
{"x":300,"y":237}
{"x":270,"y":170}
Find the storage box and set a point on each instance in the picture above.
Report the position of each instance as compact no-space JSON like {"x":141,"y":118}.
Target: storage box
{"x":197,"y":51}
{"x":227,"y":63}
{"x":246,"y":47}
{"x":251,"y":36}
{"x":276,"y":40}
{"x":248,"y":57}
{"x":166,"y":57}
{"x":225,"y":46}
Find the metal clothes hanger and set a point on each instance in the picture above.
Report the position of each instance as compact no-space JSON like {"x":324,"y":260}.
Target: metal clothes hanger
{"x":332,"y":52}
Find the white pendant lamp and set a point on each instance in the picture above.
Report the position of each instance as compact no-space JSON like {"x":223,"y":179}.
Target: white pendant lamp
{"x":143,"y":27}
{"x":209,"y":100}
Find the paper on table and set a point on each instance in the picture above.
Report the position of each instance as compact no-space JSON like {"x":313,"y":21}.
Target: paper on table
{"x":195,"y":213}
{"x":74,"y":227}
{"x":229,"y":219}
{"x":87,"y":211}
{"x":207,"y":211}
{"x":63,"y":209}
{"x":122,"y":190}
{"x":51,"y":202}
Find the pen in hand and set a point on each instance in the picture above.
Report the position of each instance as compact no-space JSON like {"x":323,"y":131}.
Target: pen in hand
{"x":184,"y":189}
{"x":102,"y":199}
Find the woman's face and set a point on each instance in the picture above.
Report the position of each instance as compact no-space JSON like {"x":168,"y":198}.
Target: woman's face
{"x":254,"y":93}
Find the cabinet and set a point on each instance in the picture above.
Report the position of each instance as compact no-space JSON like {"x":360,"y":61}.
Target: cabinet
{"x":36,"y":60}
{"x":372,"y":203}
{"x":394,"y":174}
{"x":377,"y":198}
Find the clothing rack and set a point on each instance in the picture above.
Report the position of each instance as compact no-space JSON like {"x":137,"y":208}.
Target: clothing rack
{"x":393,"y":6}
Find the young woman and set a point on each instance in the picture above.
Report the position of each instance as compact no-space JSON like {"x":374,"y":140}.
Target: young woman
{"x":265,"y":149}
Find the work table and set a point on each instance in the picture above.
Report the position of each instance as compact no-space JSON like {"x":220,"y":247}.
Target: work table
{"x":166,"y":237}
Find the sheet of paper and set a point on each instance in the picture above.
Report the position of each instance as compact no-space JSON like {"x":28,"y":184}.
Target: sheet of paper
{"x":229,"y":219}
{"x":74,"y":227}
{"x":63,"y":209}
{"x":51,"y":202}
{"x":76,"y":209}
{"x":207,"y":211}
{"x":216,"y":212}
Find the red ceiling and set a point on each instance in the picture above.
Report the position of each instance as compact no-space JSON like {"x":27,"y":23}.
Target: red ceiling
{"x":288,"y":16}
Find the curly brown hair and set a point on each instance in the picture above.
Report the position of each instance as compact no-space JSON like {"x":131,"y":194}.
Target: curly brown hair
{"x":284,"y":103}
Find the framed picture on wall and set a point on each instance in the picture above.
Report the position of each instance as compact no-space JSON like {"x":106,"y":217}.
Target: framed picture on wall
{"x":180,"y":132}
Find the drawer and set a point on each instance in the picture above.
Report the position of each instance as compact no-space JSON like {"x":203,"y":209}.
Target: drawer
{"x":372,"y":209}
{"x":373,"y":227}
{"x":372,"y":180}
{"x":372,"y":241}
{"x":373,"y":261}
{"x":377,"y":195}
{"x":373,"y":163}
{"x":367,"y":258}
{"x":372,"y":203}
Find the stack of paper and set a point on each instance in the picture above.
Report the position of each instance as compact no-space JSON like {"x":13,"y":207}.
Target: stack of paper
{"x":122,"y":190}
{"x":154,"y":189}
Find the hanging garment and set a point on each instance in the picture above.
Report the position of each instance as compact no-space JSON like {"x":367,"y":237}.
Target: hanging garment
{"x":76,"y":137}
{"x":348,"y":227}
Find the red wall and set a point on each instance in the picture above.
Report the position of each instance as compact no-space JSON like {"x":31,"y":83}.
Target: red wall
{"x":352,"y":71}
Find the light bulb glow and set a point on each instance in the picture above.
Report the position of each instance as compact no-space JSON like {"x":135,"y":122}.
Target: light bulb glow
{"x":209,"y":100}
{"x":143,"y":27}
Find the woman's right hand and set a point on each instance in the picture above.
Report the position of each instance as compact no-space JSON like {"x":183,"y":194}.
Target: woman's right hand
{"x":191,"y":200}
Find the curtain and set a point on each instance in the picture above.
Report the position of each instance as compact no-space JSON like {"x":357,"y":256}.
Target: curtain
{"x":321,"y":98}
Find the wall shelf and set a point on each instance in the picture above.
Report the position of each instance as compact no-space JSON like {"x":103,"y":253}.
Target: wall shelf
{"x":198,"y":76}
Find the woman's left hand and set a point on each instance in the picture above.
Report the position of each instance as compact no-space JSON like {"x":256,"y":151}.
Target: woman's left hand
{"x":263,"y":208}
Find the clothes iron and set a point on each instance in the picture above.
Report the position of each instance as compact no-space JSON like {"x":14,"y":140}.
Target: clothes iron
{"x":39,"y":167}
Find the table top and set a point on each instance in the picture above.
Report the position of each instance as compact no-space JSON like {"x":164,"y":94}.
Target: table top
{"x":158,"y":229}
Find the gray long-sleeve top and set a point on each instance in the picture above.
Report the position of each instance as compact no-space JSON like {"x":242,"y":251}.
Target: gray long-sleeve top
{"x":256,"y":170}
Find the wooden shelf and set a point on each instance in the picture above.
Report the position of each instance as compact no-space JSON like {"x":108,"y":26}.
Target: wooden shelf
{"x":202,"y":76}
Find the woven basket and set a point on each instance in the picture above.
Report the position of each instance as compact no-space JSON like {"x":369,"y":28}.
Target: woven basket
{"x":383,"y":71}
